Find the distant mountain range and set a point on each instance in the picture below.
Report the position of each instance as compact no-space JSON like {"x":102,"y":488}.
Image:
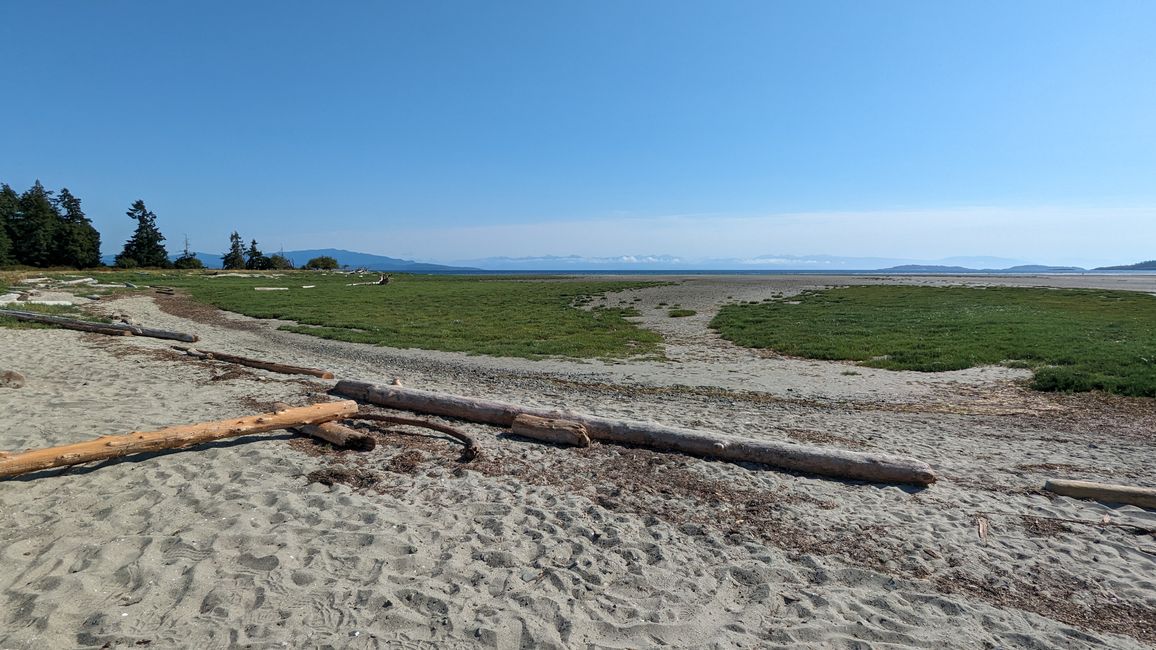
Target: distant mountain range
{"x":760,"y":263}
{"x":578,"y":263}
{"x":1150,"y":265}
{"x":1022,"y":268}
{"x":344,"y":258}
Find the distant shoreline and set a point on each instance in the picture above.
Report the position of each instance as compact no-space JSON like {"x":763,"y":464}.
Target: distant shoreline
{"x":776,"y":272}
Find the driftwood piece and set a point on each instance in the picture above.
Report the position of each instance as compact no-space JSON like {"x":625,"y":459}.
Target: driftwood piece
{"x":115,"y":329}
{"x":255,"y":363}
{"x":562,"y":432}
{"x":334,"y":433}
{"x":837,"y":463}
{"x":1104,"y":492}
{"x":471,"y":451}
{"x":107,"y":447}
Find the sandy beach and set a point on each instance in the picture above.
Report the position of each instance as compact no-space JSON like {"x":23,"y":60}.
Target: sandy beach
{"x":234,"y":544}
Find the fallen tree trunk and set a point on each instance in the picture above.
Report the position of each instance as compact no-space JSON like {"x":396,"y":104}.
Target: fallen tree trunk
{"x":1104,"y":492}
{"x":879,"y":468}
{"x":67,"y":323}
{"x":114,"y":329}
{"x":255,"y":363}
{"x":561,"y":432}
{"x":334,"y":433}
{"x":107,"y":447}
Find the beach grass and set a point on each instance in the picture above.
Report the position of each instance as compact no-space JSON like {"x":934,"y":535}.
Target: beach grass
{"x":528,"y":317}
{"x":1073,"y":340}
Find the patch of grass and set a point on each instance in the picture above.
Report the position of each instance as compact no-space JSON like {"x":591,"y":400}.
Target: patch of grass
{"x":500,"y":316}
{"x":519,"y":316}
{"x":1075,"y":340}
{"x":681,"y":313}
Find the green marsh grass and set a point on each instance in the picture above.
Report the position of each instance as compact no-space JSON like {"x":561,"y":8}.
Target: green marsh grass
{"x":529,"y":317}
{"x":1074,"y":340}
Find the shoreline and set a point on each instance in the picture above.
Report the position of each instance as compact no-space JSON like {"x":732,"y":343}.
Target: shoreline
{"x":230,"y":544}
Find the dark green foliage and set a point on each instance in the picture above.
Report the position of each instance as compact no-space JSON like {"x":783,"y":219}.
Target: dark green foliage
{"x":255,"y":260}
{"x":235,"y":258}
{"x":279,"y":262}
{"x":188,"y":260}
{"x":145,"y":247}
{"x":77,"y":243}
{"x":1076,"y":340}
{"x":34,"y":226}
{"x":9,"y":206}
{"x":323,"y":263}
{"x":681,"y":313}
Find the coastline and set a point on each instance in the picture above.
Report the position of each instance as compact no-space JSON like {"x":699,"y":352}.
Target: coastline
{"x":230,"y":544}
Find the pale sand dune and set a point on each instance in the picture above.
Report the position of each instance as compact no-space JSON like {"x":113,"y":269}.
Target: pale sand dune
{"x":536,"y":546}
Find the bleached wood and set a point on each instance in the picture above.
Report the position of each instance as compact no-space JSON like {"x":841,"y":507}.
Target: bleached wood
{"x":107,"y":447}
{"x":562,"y":432}
{"x":334,"y":433}
{"x":271,"y":366}
{"x":115,"y":329}
{"x":1143,"y":497}
{"x":838,"y":463}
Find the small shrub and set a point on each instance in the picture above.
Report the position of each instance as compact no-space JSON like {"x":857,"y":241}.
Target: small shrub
{"x":681,"y":313}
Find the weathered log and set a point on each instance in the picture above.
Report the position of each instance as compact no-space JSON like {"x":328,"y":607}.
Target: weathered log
{"x":334,"y":433}
{"x":107,"y":447}
{"x":471,"y":451}
{"x":114,"y":329}
{"x":881,"y":468}
{"x":1142,"y":497}
{"x":562,"y":432}
{"x":67,"y":323}
{"x":255,"y":363}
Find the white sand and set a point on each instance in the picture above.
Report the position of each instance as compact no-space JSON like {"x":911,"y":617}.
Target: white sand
{"x":535,"y":546}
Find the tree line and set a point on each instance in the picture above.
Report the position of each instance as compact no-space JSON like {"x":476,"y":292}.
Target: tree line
{"x":43,"y":228}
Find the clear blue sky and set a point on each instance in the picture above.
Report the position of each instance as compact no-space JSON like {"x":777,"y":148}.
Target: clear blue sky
{"x":449,"y":130}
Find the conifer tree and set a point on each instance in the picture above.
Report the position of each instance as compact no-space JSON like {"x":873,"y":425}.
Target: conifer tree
{"x":76,"y":243}
{"x":255,"y":259}
{"x":34,"y":226}
{"x":188,"y":259}
{"x":9,"y":205}
{"x":235,"y":258}
{"x":144,"y":248}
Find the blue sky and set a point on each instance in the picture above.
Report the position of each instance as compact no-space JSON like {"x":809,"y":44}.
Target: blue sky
{"x":454,"y":130}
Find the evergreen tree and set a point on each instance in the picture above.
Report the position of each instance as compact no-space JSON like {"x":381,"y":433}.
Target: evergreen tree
{"x":77,"y":243}
{"x":255,"y":259}
{"x":188,"y":259}
{"x":144,"y":248}
{"x":34,"y":226}
{"x":9,"y":206}
{"x":279,"y":262}
{"x":323,"y":263}
{"x":235,"y":258}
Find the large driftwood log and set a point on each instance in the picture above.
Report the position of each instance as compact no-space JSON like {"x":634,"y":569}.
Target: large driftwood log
{"x":562,"y":432}
{"x":255,"y":363}
{"x":115,"y":329}
{"x":334,"y":433}
{"x":1104,"y":492}
{"x":879,"y":468}
{"x":107,"y":447}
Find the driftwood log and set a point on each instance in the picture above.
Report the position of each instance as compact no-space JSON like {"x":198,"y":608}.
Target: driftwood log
{"x":334,"y":433}
{"x":1104,"y":492}
{"x":255,"y":363}
{"x":879,"y":468}
{"x":471,"y":451}
{"x":562,"y":432}
{"x":107,"y":447}
{"x":115,"y":329}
